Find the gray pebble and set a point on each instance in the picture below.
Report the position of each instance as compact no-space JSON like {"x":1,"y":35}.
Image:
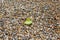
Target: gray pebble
{"x":1,"y":23}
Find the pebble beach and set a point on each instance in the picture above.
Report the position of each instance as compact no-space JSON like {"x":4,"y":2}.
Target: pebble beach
{"x":45,"y":16}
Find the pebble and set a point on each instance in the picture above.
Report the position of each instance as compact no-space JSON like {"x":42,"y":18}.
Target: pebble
{"x":1,"y":23}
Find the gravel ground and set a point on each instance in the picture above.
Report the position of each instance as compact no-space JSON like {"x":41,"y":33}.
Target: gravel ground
{"x":45,"y":15}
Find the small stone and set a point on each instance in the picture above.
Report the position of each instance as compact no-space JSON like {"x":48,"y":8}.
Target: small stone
{"x":24,"y":38}
{"x":58,"y":8}
{"x":1,"y":23}
{"x":1,"y":15}
{"x":55,"y":0}
{"x":46,"y":7}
